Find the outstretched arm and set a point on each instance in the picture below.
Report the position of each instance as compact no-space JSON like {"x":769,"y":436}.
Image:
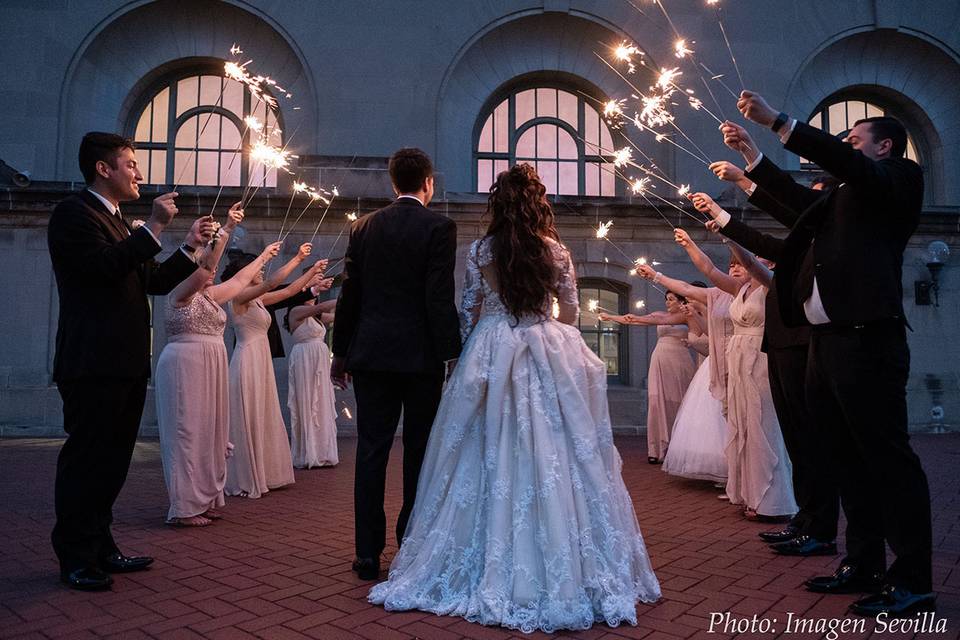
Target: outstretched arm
{"x":272,"y":297}
{"x":251,"y":293}
{"x":649,"y":319}
{"x":754,"y":267}
{"x":226,"y":291}
{"x":703,"y":263}
{"x":207,"y":261}
{"x":301,"y":313}
{"x":677,"y":286}
{"x":761,"y":243}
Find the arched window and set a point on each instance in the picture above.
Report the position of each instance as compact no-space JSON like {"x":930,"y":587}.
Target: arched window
{"x":606,"y":339}
{"x":558,"y":132}
{"x":189,"y":133}
{"x":837,"y":117}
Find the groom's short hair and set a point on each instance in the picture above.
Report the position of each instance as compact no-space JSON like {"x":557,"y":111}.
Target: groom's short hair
{"x":409,"y":169}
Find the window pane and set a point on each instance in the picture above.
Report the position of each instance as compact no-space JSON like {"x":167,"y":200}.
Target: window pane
{"x":547,"y":102}
{"x":187,"y":133}
{"x":209,"y":131}
{"x":547,"y":141}
{"x":609,"y":300}
{"x":568,"y":108}
{"x":837,"y":116}
{"x":610,"y":352}
{"x":486,"y":136}
{"x":271,"y":180}
{"x":484,"y":175}
{"x":567,"y":148}
{"x":526,"y":108}
{"x":187,"y":94}
{"x":498,"y":166}
{"x":856,"y":110}
{"x":231,"y":135}
{"x":568,"y":183}
{"x":606,"y":142}
{"x":233,"y":97}
{"x":591,"y":124}
{"x":158,"y":167}
{"x":161,"y":111}
{"x":608,"y":181}
{"x":207,"y":167}
{"x":591,"y":185}
{"x":912,"y":150}
{"x":548,"y":175}
{"x":210,"y":90}
{"x":185,"y":163}
{"x":817,"y":121}
{"x":526,"y":144}
{"x":500,"y":133}
{"x":143,"y":126}
{"x":230,"y":164}
{"x":873,"y":111}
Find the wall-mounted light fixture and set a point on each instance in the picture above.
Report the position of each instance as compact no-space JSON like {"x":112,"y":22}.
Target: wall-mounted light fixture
{"x":928,"y":291}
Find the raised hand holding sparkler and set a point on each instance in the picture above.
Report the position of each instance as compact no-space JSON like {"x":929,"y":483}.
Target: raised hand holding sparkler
{"x":755,"y":109}
{"x":737,"y":138}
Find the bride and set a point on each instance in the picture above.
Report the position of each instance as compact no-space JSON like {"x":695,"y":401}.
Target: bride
{"x":522,"y":518}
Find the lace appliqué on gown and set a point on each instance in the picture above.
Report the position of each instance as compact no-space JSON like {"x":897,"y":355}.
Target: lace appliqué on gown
{"x":522,"y":518}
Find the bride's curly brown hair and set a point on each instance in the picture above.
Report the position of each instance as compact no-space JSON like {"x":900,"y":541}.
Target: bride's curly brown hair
{"x":521,"y":219}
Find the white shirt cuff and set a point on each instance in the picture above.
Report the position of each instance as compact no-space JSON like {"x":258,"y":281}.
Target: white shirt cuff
{"x":722,"y":218}
{"x":751,"y":189}
{"x":786,"y":130}
{"x":756,"y":161}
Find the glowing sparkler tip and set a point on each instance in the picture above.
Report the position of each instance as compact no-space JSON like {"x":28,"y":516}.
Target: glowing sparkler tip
{"x":300,"y":187}
{"x":603,"y":229}
{"x":592,"y":305}
{"x":335,"y":191}
{"x":640,"y":304}
{"x":625,"y":51}
{"x":235,"y":50}
{"x":642,"y":260}
{"x":632,"y":272}
{"x":352,"y":216}
{"x":667,"y":76}
{"x":347,"y":414}
{"x":683,"y":190}
{"x":613,"y":108}
{"x":680,"y":49}
{"x":622,"y":157}
{"x":253,"y":123}
{"x":640,"y":185}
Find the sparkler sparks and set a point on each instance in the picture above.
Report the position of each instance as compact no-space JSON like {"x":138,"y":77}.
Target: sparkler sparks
{"x":667,"y":78}
{"x":640,"y":304}
{"x":603,"y":229}
{"x":269,"y":155}
{"x":253,"y":123}
{"x":235,"y":50}
{"x":625,"y":52}
{"x":622,"y":157}
{"x":640,"y":186}
{"x":593,"y":305}
{"x":352,"y":216}
{"x":680,"y":49}
{"x":683,"y":190}
{"x":613,"y":109}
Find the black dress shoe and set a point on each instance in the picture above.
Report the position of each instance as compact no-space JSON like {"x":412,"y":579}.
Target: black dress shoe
{"x":781,"y":535}
{"x":805,"y":546}
{"x":119,"y":563}
{"x":896,"y":602}
{"x":86,"y":579}
{"x":846,"y":579}
{"x":367,"y":568}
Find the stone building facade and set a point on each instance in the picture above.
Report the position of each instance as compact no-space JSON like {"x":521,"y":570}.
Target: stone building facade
{"x":367,"y":77}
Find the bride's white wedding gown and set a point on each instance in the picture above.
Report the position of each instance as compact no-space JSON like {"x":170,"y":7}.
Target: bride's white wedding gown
{"x":522,"y":518}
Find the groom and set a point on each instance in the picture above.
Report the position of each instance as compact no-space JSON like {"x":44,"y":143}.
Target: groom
{"x":396,"y":328}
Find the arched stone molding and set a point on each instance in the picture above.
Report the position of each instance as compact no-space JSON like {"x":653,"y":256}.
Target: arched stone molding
{"x":129,"y":50}
{"x":523,"y":45}
{"x":899,"y":70}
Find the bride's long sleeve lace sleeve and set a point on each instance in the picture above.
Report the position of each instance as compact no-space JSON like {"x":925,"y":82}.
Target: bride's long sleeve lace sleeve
{"x":568,"y":296}
{"x":472,"y":300}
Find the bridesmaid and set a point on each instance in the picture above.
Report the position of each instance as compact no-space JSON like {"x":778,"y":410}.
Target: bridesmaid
{"x":760,"y":471}
{"x":313,"y":413}
{"x":261,"y":459}
{"x":670,"y":372}
{"x":191,"y":385}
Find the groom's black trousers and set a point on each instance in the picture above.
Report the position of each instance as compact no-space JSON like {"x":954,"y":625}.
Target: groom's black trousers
{"x":101,"y":417}
{"x":381,"y":396}
{"x":856,"y":383}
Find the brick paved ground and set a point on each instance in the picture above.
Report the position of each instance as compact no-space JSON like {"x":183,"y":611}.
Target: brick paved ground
{"x":279,"y":567}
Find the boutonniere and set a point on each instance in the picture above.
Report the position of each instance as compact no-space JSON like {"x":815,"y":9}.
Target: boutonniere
{"x":136,"y":224}
{"x":216,"y":233}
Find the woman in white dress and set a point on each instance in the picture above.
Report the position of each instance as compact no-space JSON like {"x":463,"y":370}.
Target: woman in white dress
{"x":669,"y":373}
{"x":191,"y":385}
{"x":522,"y":518}
{"x":313,"y":412}
{"x":261,"y":458}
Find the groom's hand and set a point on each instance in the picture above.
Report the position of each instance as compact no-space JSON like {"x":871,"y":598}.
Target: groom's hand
{"x":338,"y":373}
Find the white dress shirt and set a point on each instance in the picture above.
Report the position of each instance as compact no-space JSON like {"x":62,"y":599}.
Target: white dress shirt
{"x":115,"y":210}
{"x":407,"y":195}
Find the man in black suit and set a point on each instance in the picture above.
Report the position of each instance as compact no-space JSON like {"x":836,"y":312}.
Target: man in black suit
{"x":841,"y":272}
{"x":396,"y":327}
{"x":104,"y":270}
{"x":813,"y":530}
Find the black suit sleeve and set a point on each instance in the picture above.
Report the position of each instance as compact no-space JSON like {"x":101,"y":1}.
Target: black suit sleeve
{"x":164,"y":276}
{"x":894,"y":178}
{"x":767,"y":203}
{"x":80,"y":244}
{"x":762,"y":244}
{"x":442,"y":319}
{"x":779,"y":185}
{"x":348,"y":304}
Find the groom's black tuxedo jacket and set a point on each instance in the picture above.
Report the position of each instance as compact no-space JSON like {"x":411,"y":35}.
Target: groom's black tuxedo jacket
{"x":396,"y":309}
{"x":859,"y":231}
{"x":104,"y":271}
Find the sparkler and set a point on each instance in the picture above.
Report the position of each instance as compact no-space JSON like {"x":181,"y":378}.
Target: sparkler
{"x":680,"y":49}
{"x":640,"y":305}
{"x":333,"y":194}
{"x":351,"y":218}
{"x":726,"y":40}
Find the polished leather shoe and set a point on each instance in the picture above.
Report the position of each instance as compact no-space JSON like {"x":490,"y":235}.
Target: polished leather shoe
{"x":805,"y":546}
{"x":846,"y":579}
{"x":86,"y":579}
{"x":367,"y":568}
{"x":119,"y":563}
{"x":895,"y":602}
{"x":782,"y":535}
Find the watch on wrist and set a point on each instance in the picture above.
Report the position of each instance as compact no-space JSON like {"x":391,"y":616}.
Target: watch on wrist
{"x":781,"y":120}
{"x":188,"y":248}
